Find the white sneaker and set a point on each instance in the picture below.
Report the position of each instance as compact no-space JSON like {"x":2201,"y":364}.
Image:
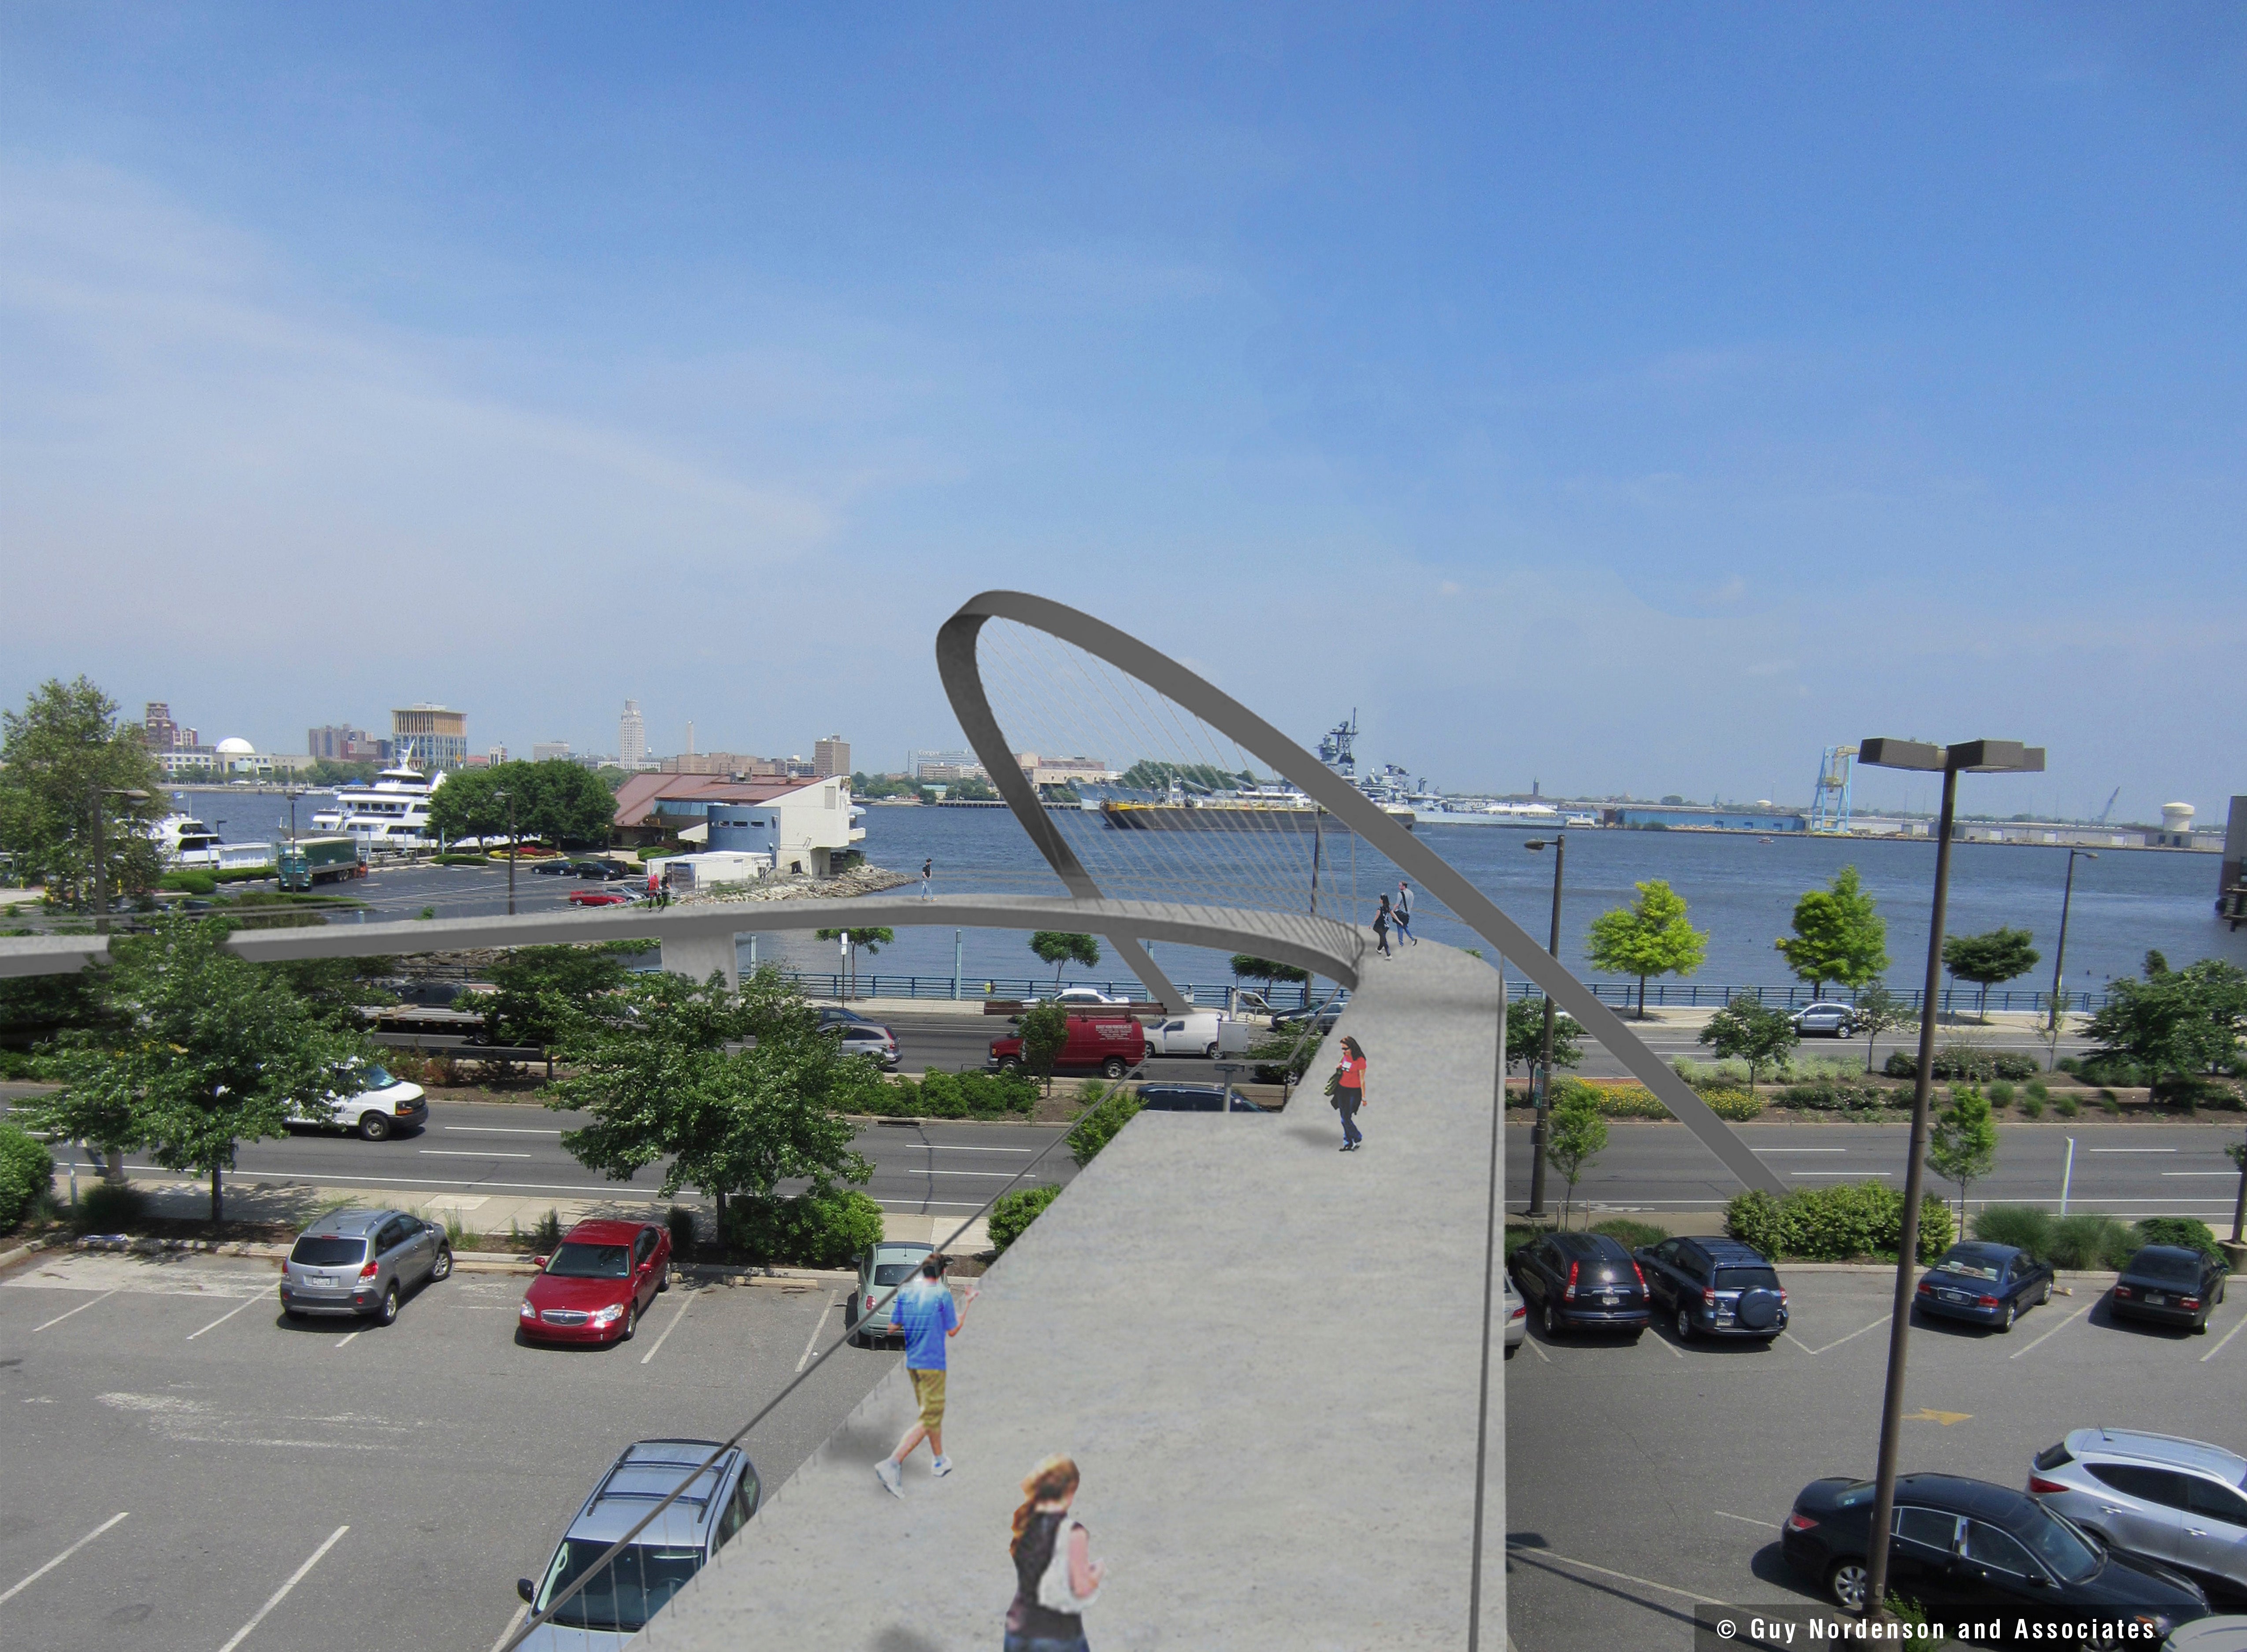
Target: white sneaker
{"x":940,"y":1467}
{"x":890,"y":1475}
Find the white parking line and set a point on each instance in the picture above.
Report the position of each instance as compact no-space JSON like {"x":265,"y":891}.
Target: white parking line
{"x":1852,"y":1335}
{"x":2055,"y":1330}
{"x":2218,"y":1349}
{"x":1768,"y":1526}
{"x":352,"y":1338}
{"x":1537,"y":1348}
{"x":1527,"y":1553}
{"x":813,"y":1341}
{"x":1798,"y":1342}
{"x":461,"y":1152}
{"x":80,"y":1308}
{"x":59,"y":1559}
{"x":282,"y":1594}
{"x":513,"y":1623}
{"x":230,"y":1314}
{"x":685,"y":1301}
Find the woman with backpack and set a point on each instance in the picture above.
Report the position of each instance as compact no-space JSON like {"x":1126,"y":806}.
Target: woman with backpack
{"x":1056,"y":1577}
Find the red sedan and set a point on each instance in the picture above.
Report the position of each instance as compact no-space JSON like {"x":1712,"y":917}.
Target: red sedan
{"x":596,"y":1284}
{"x":601,"y":896}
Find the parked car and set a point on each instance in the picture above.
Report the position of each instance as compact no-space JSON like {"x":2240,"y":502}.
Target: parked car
{"x":1714,"y":1287}
{"x":2210,"y":1634}
{"x":1111,"y":1044}
{"x":2174,"y":1500}
{"x":866,"y":1315}
{"x":604,"y":871}
{"x":603,"y":895}
{"x":362,"y":1263}
{"x":1090,"y":996}
{"x":557,"y":867}
{"x":1985,"y":1284}
{"x":1516,"y":1315}
{"x":1292,"y":1021}
{"x":867,"y":1038}
{"x":1827,"y":1019}
{"x":1193,"y":1033}
{"x":1192,"y":1098}
{"x":371,"y":1102}
{"x":1582,"y":1281}
{"x":600,"y":1279}
{"x":2168,"y":1285}
{"x":660,"y":1560}
{"x":1955,"y":1542}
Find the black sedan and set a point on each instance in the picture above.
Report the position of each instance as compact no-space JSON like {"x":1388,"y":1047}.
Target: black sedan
{"x":1584,"y":1281}
{"x":1957,"y":1544}
{"x":1192,"y":1098}
{"x":2170,"y":1284}
{"x":1985,"y":1284}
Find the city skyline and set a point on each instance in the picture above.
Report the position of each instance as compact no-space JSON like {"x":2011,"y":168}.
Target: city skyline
{"x":1641,"y":411}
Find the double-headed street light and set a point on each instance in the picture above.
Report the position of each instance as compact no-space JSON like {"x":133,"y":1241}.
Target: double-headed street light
{"x":1540,"y":1082}
{"x":1973,"y":757}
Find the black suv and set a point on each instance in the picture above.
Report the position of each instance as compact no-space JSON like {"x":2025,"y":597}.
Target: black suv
{"x":1582,"y":1280}
{"x":1714,"y":1287}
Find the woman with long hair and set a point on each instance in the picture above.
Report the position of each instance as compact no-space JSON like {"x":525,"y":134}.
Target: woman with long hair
{"x":1350,"y":1092}
{"x":1056,"y":1577}
{"x":1381,"y":927}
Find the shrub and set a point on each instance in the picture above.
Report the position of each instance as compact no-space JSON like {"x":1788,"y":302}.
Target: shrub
{"x":2068,"y":1107}
{"x":2007,"y":1065}
{"x":2111,"y":1101}
{"x":111,"y":1207}
{"x":1962,"y":1063}
{"x":1833,"y":1224}
{"x":681,"y":1221}
{"x":1608,"y":1101}
{"x":2000,"y":1093}
{"x":2038,"y":1088}
{"x":26,"y":1172}
{"x":547,"y":1234}
{"x":1632,"y":1234}
{"x":2087,"y":1240}
{"x":2189,"y":1232}
{"x":1109,"y":1114}
{"x":941,"y":1095}
{"x":2190,"y":1091}
{"x":1827,"y":1096}
{"x":461,"y":860}
{"x":811,"y":1230}
{"x":1016,"y":1211}
{"x":2031,"y":1107}
{"x":2024,"y":1226}
{"x":1697,"y":1073}
{"x":1737,"y":1105}
{"x":188,"y":880}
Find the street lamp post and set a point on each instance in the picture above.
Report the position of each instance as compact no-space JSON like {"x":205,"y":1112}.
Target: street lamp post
{"x":101,"y":856}
{"x":2059,"y":952}
{"x":1973,"y":757}
{"x":508,"y":797}
{"x":1542,"y":1081}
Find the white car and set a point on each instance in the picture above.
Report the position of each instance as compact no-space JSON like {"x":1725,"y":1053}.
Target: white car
{"x":1080,"y":995}
{"x":1517,"y":1316}
{"x":377,"y":1108}
{"x":1193,"y":1034}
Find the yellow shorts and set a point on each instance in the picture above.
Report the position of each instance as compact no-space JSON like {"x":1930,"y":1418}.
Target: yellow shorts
{"x":928,"y":1389}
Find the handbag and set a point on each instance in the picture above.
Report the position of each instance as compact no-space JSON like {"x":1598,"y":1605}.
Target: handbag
{"x":1054,"y":1591}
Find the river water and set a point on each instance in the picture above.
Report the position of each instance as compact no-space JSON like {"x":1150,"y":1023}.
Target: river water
{"x":1740,"y":889}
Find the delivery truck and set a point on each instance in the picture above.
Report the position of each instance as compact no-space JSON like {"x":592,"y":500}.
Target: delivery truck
{"x":318,"y":860}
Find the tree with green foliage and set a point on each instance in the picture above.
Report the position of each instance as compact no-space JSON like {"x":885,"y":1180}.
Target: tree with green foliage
{"x":1962,"y":1146}
{"x":1876,"y":1011}
{"x":327,"y":771}
{"x":971,"y":788}
{"x":1045,"y":1035}
{"x":538,"y":991}
{"x":336,"y":990}
{"x":1058,"y":947}
{"x":869,"y":940}
{"x":66,"y":760}
{"x":557,"y":801}
{"x":1650,"y":937}
{"x":1575,"y":1136}
{"x":2185,"y":1022}
{"x":659,"y":1066}
{"x":1525,"y":1036}
{"x":1747,"y":1030}
{"x":1246,"y":968}
{"x":2001,"y":955}
{"x":1015,"y":1212}
{"x":202,"y":1051}
{"x":1838,"y":936}
{"x":1107,"y":1111}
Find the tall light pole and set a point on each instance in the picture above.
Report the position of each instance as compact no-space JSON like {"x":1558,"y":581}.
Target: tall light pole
{"x":508,"y":797}
{"x":2059,"y":952}
{"x":1542,"y":1081}
{"x":292,"y":797}
{"x":1973,"y":757}
{"x":101,"y":856}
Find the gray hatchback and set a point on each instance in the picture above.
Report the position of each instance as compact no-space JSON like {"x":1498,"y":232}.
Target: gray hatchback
{"x":362,"y":1263}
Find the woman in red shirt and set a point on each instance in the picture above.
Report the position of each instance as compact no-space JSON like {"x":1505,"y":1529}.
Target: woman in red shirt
{"x":1350,"y":1092}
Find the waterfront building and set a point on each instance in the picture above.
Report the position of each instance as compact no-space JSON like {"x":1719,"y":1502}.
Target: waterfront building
{"x":830,"y":757}
{"x":945,"y":768}
{"x":439,"y":736}
{"x":1762,"y":818}
{"x":805,"y":825}
{"x":1063,"y":771}
{"x":160,"y":733}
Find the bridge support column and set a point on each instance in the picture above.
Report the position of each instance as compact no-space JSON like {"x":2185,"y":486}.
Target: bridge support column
{"x":695,"y":956}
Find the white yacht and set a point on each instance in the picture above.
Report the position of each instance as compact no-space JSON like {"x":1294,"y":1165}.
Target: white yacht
{"x":185,"y":841}
{"x":391,"y":814}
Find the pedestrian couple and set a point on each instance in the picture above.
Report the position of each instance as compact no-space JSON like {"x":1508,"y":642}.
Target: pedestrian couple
{"x":1400,"y":913}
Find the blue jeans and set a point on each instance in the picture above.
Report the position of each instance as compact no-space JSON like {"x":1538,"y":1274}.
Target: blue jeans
{"x":1045,"y":1644}
{"x":1350,"y":1100}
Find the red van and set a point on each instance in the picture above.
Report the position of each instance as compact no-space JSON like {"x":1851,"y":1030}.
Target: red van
{"x":1111,"y":1044}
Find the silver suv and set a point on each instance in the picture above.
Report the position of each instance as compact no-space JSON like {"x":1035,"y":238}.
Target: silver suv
{"x":2173,"y":1500}
{"x":362,"y":1263}
{"x":657,"y":1562}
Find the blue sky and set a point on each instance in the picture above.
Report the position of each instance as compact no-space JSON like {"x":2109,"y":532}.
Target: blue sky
{"x":1632,"y":398}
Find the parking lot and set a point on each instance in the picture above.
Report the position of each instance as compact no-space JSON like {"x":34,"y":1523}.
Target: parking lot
{"x":1641,"y":1479}
{"x":175,"y":1453}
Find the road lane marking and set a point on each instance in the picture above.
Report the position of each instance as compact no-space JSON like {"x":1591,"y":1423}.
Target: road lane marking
{"x":508,"y":1634}
{"x":282,"y":1594}
{"x":2131,"y":1149}
{"x":685,"y":1301}
{"x":1926,"y":1415}
{"x":228,"y":1315}
{"x":80,"y":1308}
{"x":352,"y":1338}
{"x":2218,"y":1349}
{"x":1527,"y":1553}
{"x":817,"y":1325}
{"x":2199,"y":1172}
{"x":1841,"y":1172}
{"x":475,"y":1152}
{"x":1768,"y":1526}
{"x":59,"y":1559}
{"x":1852,"y":1335}
{"x":502,"y":1130}
{"x":1798,"y":1149}
{"x":2055,"y":1330}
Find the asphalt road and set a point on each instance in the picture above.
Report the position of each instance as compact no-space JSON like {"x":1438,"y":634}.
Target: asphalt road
{"x":450,"y":1458}
{"x":2129,"y":1170}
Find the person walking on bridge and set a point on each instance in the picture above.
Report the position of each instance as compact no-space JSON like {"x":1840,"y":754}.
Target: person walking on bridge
{"x":1403,"y":910}
{"x":924,"y":1312}
{"x":1349,"y":1093}
{"x":1381,"y":927}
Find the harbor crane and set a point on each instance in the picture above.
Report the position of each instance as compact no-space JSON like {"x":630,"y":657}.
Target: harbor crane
{"x":1829,"y":799}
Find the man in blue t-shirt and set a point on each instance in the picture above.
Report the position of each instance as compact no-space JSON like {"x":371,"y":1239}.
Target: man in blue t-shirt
{"x":925,"y":1314}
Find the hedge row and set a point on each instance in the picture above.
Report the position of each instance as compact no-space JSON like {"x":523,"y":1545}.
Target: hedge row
{"x":27,"y":1170}
{"x":957,"y":1095}
{"x":1963,"y":1062}
{"x":1833,"y":1224}
{"x":812,"y":1230}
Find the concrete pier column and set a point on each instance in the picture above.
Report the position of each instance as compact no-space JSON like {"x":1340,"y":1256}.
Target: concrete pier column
{"x":695,"y":956}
